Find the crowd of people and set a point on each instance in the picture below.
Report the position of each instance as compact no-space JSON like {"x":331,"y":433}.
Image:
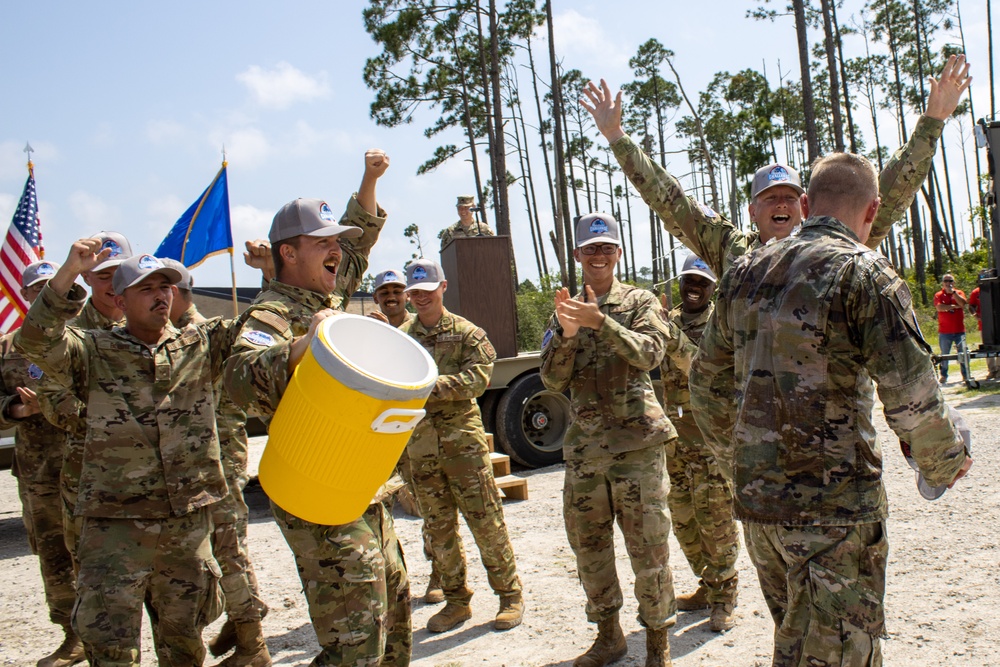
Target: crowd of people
{"x":131,"y":450}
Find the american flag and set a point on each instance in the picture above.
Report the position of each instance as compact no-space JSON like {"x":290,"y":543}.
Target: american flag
{"x":21,"y":247}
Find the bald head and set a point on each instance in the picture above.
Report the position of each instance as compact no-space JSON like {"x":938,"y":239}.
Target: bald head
{"x":844,"y":186}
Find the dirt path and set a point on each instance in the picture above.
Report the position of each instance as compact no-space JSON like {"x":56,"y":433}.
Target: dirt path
{"x":940,"y":608}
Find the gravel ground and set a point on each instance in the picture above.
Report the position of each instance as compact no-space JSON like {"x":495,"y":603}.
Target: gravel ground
{"x":942,"y":574}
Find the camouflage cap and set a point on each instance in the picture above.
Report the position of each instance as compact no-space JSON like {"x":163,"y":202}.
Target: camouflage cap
{"x":186,"y":282}
{"x":466,"y":200}
{"x":308,"y":217}
{"x":389,"y":277}
{"x":135,"y":269}
{"x":597,"y":228}
{"x":424,"y":274}
{"x":120,"y":248}
{"x":37,"y":272}
{"x":775,"y":174}
{"x":696,"y":266}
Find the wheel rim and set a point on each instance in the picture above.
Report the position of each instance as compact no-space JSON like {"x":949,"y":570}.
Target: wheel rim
{"x":544,"y":419}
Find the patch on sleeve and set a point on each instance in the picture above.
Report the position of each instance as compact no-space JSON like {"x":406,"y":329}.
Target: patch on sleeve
{"x":705,"y":209}
{"x":479,"y":334}
{"x":34,"y":372}
{"x":488,"y":350}
{"x":259,"y":338}
{"x":272,"y":320}
{"x":547,"y":338}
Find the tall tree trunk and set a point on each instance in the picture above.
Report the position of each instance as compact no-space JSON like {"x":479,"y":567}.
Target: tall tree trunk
{"x":808,"y":106}
{"x":700,"y":127}
{"x":531,"y":181}
{"x":518,"y":121}
{"x":831,"y":66}
{"x":570,"y":278}
{"x":470,"y":133}
{"x":843,"y":78}
{"x":972,"y":117}
{"x":947,"y":187}
{"x":499,"y":156}
{"x":631,"y":241}
{"x":491,"y":140}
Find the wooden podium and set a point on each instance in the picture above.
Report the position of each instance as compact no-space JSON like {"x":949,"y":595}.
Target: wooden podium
{"x":481,"y":287}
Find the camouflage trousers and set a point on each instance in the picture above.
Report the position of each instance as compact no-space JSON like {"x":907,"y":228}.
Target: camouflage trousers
{"x":630,"y":488}
{"x":701,"y":510}
{"x":41,"y":508}
{"x":124,"y":561}
{"x":824,"y":586}
{"x":447,"y":485}
{"x":71,"y":524}
{"x":354,"y":579}
{"x":229,"y":545}
{"x":403,"y":468}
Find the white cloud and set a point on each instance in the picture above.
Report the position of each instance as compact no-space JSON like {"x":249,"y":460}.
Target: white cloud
{"x":165,"y":131}
{"x":93,"y":211}
{"x":168,"y":208}
{"x":283,"y":85}
{"x":247,"y":145}
{"x":14,"y":161}
{"x":582,"y":40}
{"x":249,"y":222}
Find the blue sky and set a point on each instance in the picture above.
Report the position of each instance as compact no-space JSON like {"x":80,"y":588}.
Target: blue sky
{"x":128,"y":105}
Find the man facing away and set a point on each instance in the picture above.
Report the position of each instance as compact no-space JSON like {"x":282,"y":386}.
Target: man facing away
{"x":601,"y":345}
{"x":802,"y":327}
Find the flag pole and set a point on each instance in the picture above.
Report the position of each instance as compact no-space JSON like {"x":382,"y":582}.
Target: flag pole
{"x":232,"y":252}
{"x":31,"y":174}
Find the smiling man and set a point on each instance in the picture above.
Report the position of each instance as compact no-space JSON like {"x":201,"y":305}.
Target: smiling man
{"x":150,"y":459}
{"x":700,"y":500}
{"x":601,"y":345}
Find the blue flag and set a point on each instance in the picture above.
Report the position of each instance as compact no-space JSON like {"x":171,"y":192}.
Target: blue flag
{"x":204,"y":230}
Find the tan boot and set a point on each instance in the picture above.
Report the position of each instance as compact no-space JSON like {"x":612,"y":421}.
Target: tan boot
{"x":722,"y":618}
{"x":511,"y":612}
{"x":609,"y":646}
{"x":69,"y":652}
{"x":694,"y":601}
{"x":434,"y":594}
{"x":658,"y":648}
{"x":449,"y":617}
{"x":251,"y":650}
{"x":225,"y":641}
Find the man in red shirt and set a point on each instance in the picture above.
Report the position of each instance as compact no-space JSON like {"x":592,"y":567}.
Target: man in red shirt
{"x":950,"y":304}
{"x":975,"y":307}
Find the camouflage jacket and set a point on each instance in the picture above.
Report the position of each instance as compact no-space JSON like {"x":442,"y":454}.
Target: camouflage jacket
{"x":151,"y":449}
{"x":612,"y":403}
{"x":230,"y":420}
{"x":718,"y":241}
{"x":801,"y":328}
{"x":673,"y":378}
{"x":455,"y":231}
{"x":464,"y":358}
{"x":38,"y":445}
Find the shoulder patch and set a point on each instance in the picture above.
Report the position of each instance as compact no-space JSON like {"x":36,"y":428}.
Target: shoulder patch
{"x":479,"y":334}
{"x":259,"y":338}
{"x":704,"y":208}
{"x":34,"y":372}
{"x":272,"y":320}
{"x":547,"y":338}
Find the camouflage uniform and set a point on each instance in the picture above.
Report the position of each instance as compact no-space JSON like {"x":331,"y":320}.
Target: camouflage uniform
{"x":353,"y":575}
{"x":701,"y":499}
{"x":718,"y":242}
{"x":150,"y":470}
{"x":450,"y":464}
{"x":615,"y":449}
{"x":455,"y":231}
{"x":802,"y":327}
{"x":67,"y":411}
{"x":38,"y":454}
{"x":231,"y":516}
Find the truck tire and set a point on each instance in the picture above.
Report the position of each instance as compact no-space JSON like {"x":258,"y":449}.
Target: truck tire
{"x":531,"y":422}
{"x":488,"y":409}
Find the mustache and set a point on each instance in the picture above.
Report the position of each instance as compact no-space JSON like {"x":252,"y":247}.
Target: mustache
{"x":158,"y":303}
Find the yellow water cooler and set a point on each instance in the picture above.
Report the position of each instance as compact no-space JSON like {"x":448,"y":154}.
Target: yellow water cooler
{"x":345,"y":418}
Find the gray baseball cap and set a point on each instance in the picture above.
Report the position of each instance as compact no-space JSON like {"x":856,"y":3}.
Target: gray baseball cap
{"x":775,"y":174}
{"x":37,"y":272}
{"x":424,"y":274}
{"x":120,"y":248}
{"x":186,"y":282}
{"x":308,"y":217}
{"x":135,"y":269}
{"x":597,"y":228}
{"x":389,"y":277}
{"x":696,"y":266}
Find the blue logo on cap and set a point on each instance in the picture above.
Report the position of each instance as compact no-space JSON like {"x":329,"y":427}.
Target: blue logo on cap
{"x":113,"y":246}
{"x":699,"y":263}
{"x":419,"y":273}
{"x":778,"y":174}
{"x":389,"y":275}
{"x":148,"y":262}
{"x":45,"y":269}
{"x":598,"y":226}
{"x":325,"y":213}
{"x":34,"y":372}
